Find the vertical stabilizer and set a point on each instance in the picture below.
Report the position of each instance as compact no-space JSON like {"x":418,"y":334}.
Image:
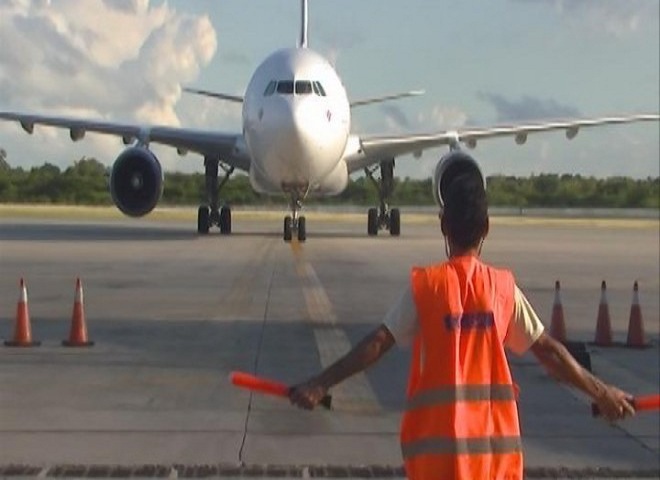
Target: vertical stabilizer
{"x":303,"y":25}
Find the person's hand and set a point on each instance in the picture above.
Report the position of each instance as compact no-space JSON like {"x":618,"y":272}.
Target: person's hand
{"x":307,"y":395}
{"x":615,"y":404}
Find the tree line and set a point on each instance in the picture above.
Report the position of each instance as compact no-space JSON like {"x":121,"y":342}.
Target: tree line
{"x":86,"y":183}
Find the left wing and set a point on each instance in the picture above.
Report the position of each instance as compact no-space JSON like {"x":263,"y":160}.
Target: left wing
{"x":230,"y":147}
{"x":386,"y":98}
{"x":364,"y":151}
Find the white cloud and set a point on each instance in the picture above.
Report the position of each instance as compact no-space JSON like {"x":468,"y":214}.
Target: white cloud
{"x":113,"y":59}
{"x":613,"y":17}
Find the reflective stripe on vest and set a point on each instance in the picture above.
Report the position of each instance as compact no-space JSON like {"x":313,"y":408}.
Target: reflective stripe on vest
{"x":461,"y":393}
{"x":461,"y":446}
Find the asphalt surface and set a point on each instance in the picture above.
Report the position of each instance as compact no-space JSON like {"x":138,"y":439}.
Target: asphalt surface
{"x":172,"y":314}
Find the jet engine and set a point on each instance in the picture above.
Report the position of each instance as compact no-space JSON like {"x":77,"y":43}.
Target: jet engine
{"x":136,"y":182}
{"x":450,"y":166}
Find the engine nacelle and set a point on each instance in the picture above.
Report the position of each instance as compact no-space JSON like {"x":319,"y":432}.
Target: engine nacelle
{"x":450,"y":166}
{"x":136,"y":182}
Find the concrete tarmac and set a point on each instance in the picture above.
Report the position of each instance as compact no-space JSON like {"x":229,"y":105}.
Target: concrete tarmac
{"x":172,"y":313}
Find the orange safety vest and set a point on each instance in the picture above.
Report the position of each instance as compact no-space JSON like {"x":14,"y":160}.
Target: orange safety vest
{"x":461,"y":418}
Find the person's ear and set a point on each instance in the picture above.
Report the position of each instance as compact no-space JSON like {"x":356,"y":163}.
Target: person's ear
{"x":443,"y":225}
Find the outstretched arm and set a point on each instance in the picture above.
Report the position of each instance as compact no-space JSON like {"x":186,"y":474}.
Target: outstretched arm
{"x":308,"y":394}
{"x":613,"y":403}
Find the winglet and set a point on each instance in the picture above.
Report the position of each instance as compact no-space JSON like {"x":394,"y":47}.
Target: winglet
{"x":303,"y":25}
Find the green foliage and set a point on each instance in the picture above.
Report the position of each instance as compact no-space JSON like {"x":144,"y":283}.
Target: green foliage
{"x":86,"y":183}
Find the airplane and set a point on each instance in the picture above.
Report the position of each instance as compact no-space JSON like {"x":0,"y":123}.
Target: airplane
{"x":296,"y":141}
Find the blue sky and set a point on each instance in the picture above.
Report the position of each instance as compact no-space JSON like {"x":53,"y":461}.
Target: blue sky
{"x":481,"y":63}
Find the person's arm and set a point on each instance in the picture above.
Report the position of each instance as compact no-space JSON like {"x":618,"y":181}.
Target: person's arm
{"x":371,"y":348}
{"x":613,"y":403}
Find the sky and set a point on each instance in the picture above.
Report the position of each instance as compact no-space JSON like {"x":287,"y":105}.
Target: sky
{"x":480,"y":63}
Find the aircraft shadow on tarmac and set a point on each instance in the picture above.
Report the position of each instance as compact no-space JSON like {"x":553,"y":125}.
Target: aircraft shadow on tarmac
{"x":65,"y":232}
{"x":200,"y":349}
{"x":90,"y":232}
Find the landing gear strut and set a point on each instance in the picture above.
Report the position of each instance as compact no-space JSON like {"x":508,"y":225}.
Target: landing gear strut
{"x":295,"y":223}
{"x":383,"y":217}
{"x":210,"y":215}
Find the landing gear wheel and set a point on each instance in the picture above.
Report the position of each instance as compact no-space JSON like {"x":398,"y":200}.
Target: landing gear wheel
{"x":302,"y":233}
{"x":395,"y":222}
{"x":372,"y":222}
{"x":288,"y":224}
{"x":203,"y":220}
{"x":225,"y":220}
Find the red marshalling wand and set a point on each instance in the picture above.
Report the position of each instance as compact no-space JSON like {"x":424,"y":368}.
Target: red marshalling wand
{"x":266,"y":386}
{"x":640,"y":404}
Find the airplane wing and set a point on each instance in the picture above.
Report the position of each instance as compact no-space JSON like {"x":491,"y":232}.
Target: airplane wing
{"x":363,"y":151}
{"x":220,"y":96}
{"x":230,"y":147}
{"x":386,"y":98}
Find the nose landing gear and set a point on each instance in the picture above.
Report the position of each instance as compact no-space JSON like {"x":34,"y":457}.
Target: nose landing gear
{"x":295,"y":223}
{"x":383,"y":217}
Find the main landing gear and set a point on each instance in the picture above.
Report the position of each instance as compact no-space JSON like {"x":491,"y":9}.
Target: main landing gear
{"x":210,"y":215}
{"x":295,"y":223}
{"x":383,"y":217}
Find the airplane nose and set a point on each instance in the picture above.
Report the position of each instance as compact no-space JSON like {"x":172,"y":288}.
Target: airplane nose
{"x":294,"y":130}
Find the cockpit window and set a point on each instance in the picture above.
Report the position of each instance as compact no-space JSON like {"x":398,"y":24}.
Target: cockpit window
{"x":299,"y":87}
{"x":285,"y":87}
{"x":318,"y":89}
{"x":303,"y":87}
{"x":270,"y":89}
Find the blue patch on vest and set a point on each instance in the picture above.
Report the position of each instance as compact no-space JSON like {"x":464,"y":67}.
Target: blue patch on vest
{"x":467,"y":321}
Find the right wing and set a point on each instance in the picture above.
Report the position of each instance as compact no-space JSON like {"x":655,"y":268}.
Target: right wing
{"x":220,"y":96}
{"x":364,"y":151}
{"x":230,"y":147}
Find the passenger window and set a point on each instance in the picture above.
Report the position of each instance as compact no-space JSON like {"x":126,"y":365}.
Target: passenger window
{"x":303,"y":87}
{"x":318,"y":88}
{"x":285,"y":87}
{"x":270,"y":89}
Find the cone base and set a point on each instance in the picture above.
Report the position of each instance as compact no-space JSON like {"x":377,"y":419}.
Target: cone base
{"x":12,"y":343}
{"x":68,"y":343}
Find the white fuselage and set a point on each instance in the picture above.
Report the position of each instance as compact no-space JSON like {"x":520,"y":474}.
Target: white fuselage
{"x":296,"y":122}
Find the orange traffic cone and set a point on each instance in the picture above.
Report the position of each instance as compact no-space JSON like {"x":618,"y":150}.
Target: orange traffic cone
{"x":23,"y":331}
{"x":78,"y":334}
{"x":636,"y":337}
{"x":603,"y":325}
{"x":557,"y":324}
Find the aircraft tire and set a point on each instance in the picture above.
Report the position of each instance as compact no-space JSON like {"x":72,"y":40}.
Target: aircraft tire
{"x":372,"y":222}
{"x":225,"y":220}
{"x":395,"y":222}
{"x":302,"y":231}
{"x":287,"y":228}
{"x":203,"y":220}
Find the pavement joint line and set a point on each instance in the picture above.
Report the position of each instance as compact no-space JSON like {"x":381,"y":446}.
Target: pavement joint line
{"x":356,"y":394}
{"x":294,"y":471}
{"x":256,"y":362}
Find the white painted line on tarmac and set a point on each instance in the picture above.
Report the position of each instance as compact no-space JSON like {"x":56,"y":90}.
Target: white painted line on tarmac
{"x":355,"y":394}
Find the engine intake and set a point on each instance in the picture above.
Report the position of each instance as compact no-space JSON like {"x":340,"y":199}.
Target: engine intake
{"x":136,"y":182}
{"x":449,"y":167}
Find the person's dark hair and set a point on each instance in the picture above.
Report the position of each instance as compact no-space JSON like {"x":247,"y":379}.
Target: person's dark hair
{"x":465,"y":213}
